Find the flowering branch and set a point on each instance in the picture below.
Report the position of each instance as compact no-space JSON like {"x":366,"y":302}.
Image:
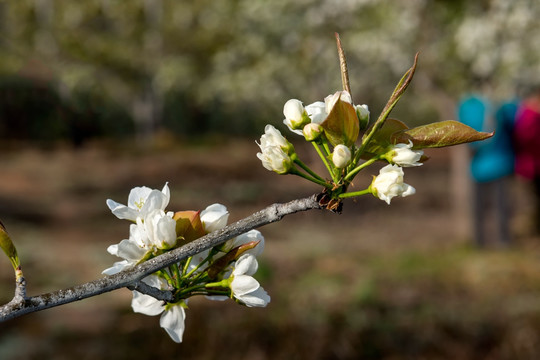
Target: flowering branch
{"x":130,"y":278}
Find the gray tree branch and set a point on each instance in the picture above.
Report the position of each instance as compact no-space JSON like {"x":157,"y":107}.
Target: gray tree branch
{"x":131,"y":278}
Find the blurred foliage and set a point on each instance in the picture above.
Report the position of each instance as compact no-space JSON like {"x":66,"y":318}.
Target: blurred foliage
{"x":228,"y":66}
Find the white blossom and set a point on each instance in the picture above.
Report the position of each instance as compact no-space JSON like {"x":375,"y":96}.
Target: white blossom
{"x":294,"y":114}
{"x":214,"y":217}
{"x":141,"y":201}
{"x":362,"y":111}
{"x":403,"y":155}
{"x":243,"y":286}
{"x":341,"y":156}
{"x":273,"y":158}
{"x":157,"y":231}
{"x":172,"y":315}
{"x":317,"y":112}
{"x":273,"y":137}
{"x":389,"y":183}
{"x":312,"y":131}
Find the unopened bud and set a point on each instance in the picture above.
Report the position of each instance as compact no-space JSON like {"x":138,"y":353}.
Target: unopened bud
{"x":312,"y":131}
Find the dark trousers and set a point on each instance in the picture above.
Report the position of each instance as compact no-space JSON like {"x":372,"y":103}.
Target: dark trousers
{"x":491,"y":212}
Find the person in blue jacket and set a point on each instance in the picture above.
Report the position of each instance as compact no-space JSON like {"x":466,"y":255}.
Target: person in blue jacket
{"x":491,"y":165}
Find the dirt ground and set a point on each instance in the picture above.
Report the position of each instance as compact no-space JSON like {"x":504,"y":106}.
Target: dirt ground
{"x":376,"y":282}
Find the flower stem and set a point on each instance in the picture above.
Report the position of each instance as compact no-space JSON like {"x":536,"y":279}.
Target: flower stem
{"x":199,"y":265}
{"x":295,"y":171}
{"x":167,"y":277}
{"x":355,"y":171}
{"x":186,"y":264}
{"x":307,"y":169}
{"x":323,"y":158}
{"x":355,"y":193}
{"x":176,"y":271}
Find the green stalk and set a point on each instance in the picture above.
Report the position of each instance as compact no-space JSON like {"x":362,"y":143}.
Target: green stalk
{"x":167,"y":277}
{"x":295,"y":171}
{"x":323,"y":158}
{"x":355,"y":171}
{"x":176,"y":271}
{"x":355,"y":193}
{"x":306,"y":168}
{"x":186,"y":265}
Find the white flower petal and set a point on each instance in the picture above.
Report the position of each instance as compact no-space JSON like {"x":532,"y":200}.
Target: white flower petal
{"x":113,"y":249}
{"x":214,"y":217}
{"x":245,"y":265}
{"x":257,"y":298}
{"x":117,"y":267}
{"x":121,"y":211}
{"x":317,"y":112}
{"x":172,"y":321}
{"x":146,"y":304}
{"x":243,"y":284}
{"x":137,"y":197}
{"x":130,"y":250}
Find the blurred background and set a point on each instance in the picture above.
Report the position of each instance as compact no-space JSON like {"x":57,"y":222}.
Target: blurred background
{"x":99,"y":96}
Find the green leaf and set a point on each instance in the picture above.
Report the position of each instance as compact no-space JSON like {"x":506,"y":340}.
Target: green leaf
{"x":440,"y":134}
{"x":341,"y":126}
{"x":7,"y":245}
{"x":394,"y":98}
{"x":382,"y":139}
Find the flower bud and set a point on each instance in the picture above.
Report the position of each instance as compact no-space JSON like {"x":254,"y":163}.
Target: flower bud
{"x":312,"y":131}
{"x":402,"y":155}
{"x":362,"y":112}
{"x":295,"y":115}
{"x":341,"y":156}
{"x":273,"y":158}
{"x":273,"y":137}
{"x":389,"y":183}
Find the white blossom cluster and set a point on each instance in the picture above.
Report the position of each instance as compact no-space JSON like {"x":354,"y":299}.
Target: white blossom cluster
{"x":154,"y":231}
{"x":277,"y":153}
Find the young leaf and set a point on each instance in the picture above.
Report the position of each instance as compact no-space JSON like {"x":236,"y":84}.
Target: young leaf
{"x":220,"y":264}
{"x":440,"y":134}
{"x":7,"y":245}
{"x":383,"y":138}
{"x":188,"y":225}
{"x":394,"y":98}
{"x":341,"y":126}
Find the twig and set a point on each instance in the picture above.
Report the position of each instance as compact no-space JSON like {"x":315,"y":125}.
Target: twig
{"x":131,"y":278}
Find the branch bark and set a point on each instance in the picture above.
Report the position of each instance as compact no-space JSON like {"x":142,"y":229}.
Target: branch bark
{"x":21,"y":305}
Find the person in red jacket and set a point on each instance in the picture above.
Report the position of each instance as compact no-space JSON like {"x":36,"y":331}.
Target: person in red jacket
{"x":527,"y":146}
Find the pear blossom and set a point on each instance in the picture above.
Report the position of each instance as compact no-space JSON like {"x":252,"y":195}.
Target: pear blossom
{"x":157,"y":231}
{"x":141,"y":201}
{"x":273,"y":158}
{"x":317,"y":112}
{"x":312,"y":131}
{"x":173,"y":315}
{"x":403,"y":155}
{"x":341,"y":156}
{"x":362,"y":111}
{"x":214,"y":217}
{"x":243,"y":286}
{"x":295,"y":115}
{"x":389,"y":183}
{"x":273,"y":137}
